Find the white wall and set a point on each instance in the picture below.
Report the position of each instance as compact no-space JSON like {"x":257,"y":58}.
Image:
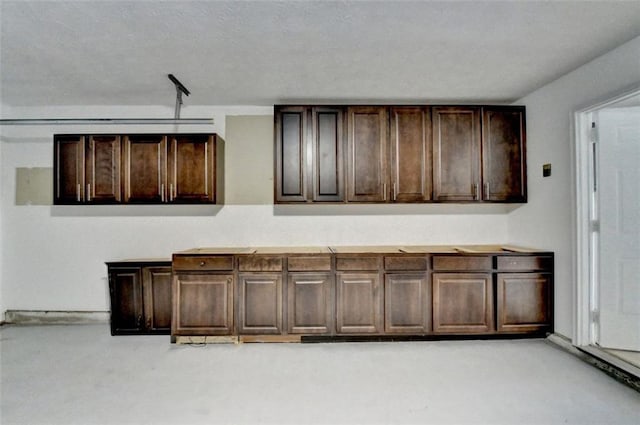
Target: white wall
{"x":53,"y":257}
{"x":548,"y":220}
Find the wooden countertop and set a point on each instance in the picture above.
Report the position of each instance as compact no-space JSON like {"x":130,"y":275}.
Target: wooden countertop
{"x":376,"y":249}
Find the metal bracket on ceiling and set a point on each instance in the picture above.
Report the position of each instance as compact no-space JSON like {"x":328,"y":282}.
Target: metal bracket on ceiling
{"x":180,"y":88}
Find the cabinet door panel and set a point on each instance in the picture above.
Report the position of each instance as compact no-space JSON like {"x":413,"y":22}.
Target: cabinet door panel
{"x":503,"y":153}
{"x":145,"y":164}
{"x":410,"y":154}
{"x":203,"y":304}
{"x":69,"y":186}
{"x":260,"y":303}
{"x":456,"y":151}
{"x":327,"y":145}
{"x":156,"y":285}
{"x":291,"y":154}
{"x":103,"y":169}
{"x":407,"y":303}
{"x":358,"y":303}
{"x":126,"y":301}
{"x":524,"y":302}
{"x":367,"y":154}
{"x":462,"y":302}
{"x":192,"y":169}
{"x":310,"y":303}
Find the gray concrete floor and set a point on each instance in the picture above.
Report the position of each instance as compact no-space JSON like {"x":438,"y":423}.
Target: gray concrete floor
{"x":82,"y":375}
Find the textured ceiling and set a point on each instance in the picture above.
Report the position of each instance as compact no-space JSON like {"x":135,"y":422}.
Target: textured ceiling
{"x":266,"y":52}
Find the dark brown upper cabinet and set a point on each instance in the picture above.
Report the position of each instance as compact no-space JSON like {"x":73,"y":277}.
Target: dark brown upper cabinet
{"x":503,"y":154}
{"x":410,"y":165}
{"x":138,"y":169}
{"x":309,"y":154}
{"x":368,"y":128}
{"x":87,"y":169}
{"x":456,"y":153}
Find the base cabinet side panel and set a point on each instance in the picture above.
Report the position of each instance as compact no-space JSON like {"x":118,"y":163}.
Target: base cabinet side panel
{"x":462,"y":303}
{"x":524,"y":302}
{"x":203,"y":304}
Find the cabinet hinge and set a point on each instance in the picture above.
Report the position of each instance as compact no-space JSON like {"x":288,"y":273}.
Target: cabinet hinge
{"x":595,"y":316}
{"x":595,"y":226}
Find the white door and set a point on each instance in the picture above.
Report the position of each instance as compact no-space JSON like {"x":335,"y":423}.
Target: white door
{"x":617,"y":180}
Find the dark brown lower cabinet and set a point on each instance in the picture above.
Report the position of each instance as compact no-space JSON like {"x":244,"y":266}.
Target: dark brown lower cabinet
{"x":358,"y":303}
{"x":462,"y":302}
{"x":140,"y":295}
{"x":524,"y":302}
{"x":407,"y":303}
{"x":203,"y":304}
{"x":260,"y":303}
{"x":310,"y":300}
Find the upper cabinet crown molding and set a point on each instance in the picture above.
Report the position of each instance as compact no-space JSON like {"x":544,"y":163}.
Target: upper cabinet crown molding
{"x":138,"y":169}
{"x":400,"y":154}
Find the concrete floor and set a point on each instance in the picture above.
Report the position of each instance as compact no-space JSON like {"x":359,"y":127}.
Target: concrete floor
{"x":82,"y":375}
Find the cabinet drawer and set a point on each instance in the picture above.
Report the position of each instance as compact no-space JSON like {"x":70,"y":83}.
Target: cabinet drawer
{"x":259,"y":263}
{"x":405,"y":263}
{"x":357,"y":263}
{"x":303,"y":264}
{"x":442,"y":262}
{"x":525,"y":263}
{"x":196,"y":263}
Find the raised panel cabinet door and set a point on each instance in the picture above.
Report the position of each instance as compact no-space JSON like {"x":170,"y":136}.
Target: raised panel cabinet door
{"x":260,"y":303}
{"x":103,"y":169}
{"x":410,"y":135}
{"x":68,"y":165}
{"x":202,"y":304}
{"x":456,"y":153}
{"x":462,"y":302}
{"x":291,"y":154}
{"x":327,"y":154}
{"x":127,"y":309}
{"x":367,"y":136}
{"x":503,"y":154}
{"x":524,"y":302}
{"x":191,"y":171}
{"x":407,"y":303}
{"x":145,"y":168}
{"x":358,"y":303}
{"x":310,"y":303}
{"x":156,"y":286}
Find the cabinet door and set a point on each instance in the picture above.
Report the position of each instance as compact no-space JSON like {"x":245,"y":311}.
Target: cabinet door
{"x":202,"y":304}
{"x":524,"y":302}
{"x":260,"y":303}
{"x":410,"y":154}
{"x":407,"y":303}
{"x":127,"y":310}
{"x":367,"y":154}
{"x":156,"y":286}
{"x":291,"y":154}
{"x":145,"y":165}
{"x":456,"y":153}
{"x":358,"y":303}
{"x":503,"y":154}
{"x":68,"y":163}
{"x":191,"y":172}
{"x":103,"y":169}
{"x":327,"y":154}
{"x":462,"y":302}
{"x":310,"y":303}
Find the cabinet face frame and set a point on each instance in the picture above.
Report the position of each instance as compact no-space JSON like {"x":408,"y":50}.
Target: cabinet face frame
{"x":368,"y":132}
{"x":410,"y":154}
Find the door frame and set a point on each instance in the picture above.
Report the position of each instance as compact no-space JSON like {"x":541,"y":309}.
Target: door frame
{"x":586,"y":296}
